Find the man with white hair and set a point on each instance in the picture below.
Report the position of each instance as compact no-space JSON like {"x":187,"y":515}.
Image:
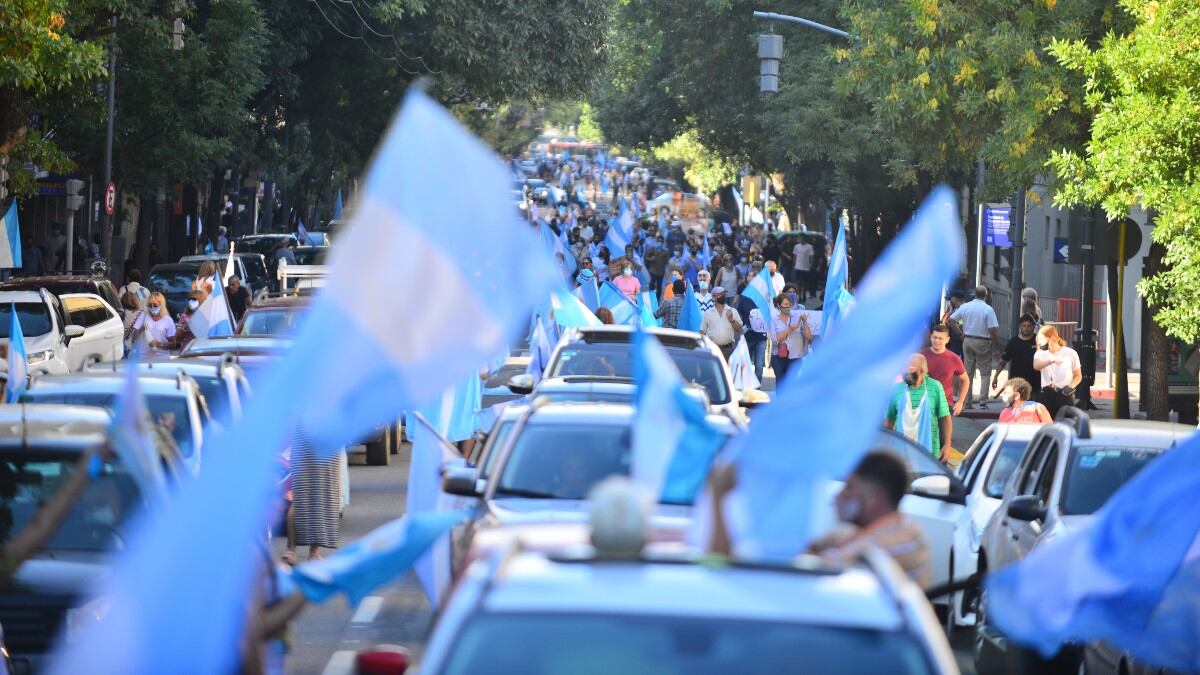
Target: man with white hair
{"x":777,"y":280}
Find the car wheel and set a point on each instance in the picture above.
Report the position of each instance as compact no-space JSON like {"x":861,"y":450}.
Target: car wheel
{"x":379,"y":451}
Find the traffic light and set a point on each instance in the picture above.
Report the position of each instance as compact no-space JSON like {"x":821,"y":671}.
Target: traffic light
{"x":770,"y":51}
{"x":74,"y":199}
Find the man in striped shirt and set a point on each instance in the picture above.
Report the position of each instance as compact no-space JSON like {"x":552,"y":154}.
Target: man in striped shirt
{"x":870,"y":500}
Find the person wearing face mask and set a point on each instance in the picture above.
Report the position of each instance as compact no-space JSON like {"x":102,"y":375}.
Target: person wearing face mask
{"x":792,"y":336}
{"x":1018,"y":353}
{"x":629,"y":284}
{"x":721,"y":323}
{"x":703,"y":295}
{"x":727,"y":277}
{"x":155,"y":327}
{"x":1018,"y":408}
{"x":918,"y":410}
{"x":183,"y":331}
{"x":1059,"y":366}
{"x":869,"y":501}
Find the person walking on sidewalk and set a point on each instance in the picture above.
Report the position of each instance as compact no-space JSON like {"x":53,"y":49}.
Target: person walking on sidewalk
{"x":1018,"y":353}
{"x":1059,"y":366}
{"x":945,"y":367}
{"x":979,"y":324}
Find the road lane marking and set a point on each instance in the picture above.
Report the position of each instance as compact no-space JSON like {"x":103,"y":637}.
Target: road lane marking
{"x":367,"y":610}
{"x":341,"y":663}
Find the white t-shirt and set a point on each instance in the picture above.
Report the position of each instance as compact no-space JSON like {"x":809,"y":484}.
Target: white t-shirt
{"x":717,"y":326}
{"x":803,"y":253}
{"x":977,"y":318}
{"x":161,"y":329}
{"x":1062,"y":366}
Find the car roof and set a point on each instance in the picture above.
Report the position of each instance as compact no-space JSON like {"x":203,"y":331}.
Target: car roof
{"x":25,"y":424}
{"x":237,"y":343}
{"x":102,"y":382}
{"x":176,"y":267}
{"x":54,"y":280}
{"x":669,"y":337}
{"x":1128,"y":433}
{"x":20,"y":296}
{"x":531,"y":582}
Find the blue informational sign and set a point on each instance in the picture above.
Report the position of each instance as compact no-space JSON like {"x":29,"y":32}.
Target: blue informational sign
{"x":1061,"y":249}
{"x":997,"y":218}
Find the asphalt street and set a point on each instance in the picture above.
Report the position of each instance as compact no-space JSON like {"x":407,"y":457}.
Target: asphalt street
{"x":326,"y":637}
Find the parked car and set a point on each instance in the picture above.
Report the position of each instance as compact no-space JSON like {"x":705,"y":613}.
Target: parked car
{"x":263,"y":243}
{"x":40,"y":447}
{"x":273,"y":316}
{"x":174,"y":281}
{"x":529,"y":612}
{"x":53,"y":344}
{"x":605,"y":351}
{"x":223,"y":383}
{"x":311,"y":255}
{"x":985,"y":470}
{"x":222,"y":261}
{"x":1068,"y":471}
{"x":545,"y":466}
{"x":176,"y":404}
{"x":256,"y":269}
{"x":69,"y":284}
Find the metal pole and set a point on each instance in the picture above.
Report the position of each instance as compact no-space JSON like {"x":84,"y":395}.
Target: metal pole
{"x":772,"y":16}
{"x":979,"y":248}
{"x":70,"y":240}
{"x":1120,"y":396}
{"x":1017,"y":235}
{"x":1085,"y":343}
{"x":106,"y":224}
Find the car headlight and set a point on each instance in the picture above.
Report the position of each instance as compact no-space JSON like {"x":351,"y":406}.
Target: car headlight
{"x":39,"y":357}
{"x":81,"y":619}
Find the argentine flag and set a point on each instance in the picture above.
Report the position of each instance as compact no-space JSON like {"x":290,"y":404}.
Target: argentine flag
{"x":624,"y":311}
{"x":569,"y":310}
{"x":212,"y":318}
{"x":404,"y":273}
{"x":10,"y":239}
{"x":761,"y":292}
{"x":130,"y":437}
{"x":18,"y":367}
{"x":838,"y":300}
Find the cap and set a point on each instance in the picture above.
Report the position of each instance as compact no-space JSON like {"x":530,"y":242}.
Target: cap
{"x":718,"y":290}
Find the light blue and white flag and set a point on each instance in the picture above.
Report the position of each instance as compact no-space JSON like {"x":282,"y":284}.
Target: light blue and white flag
{"x":761,"y":291}
{"x":18,"y":366}
{"x":337,"y":205}
{"x":178,"y":607}
{"x":647,"y":306}
{"x":569,"y":310}
{"x":846,"y":381}
{"x":706,"y":256}
{"x":212,"y":318}
{"x":620,"y":231}
{"x":690,"y":315}
{"x":1130,"y":577}
{"x":10,"y":239}
{"x":838,"y":299}
{"x":673,"y":443}
{"x":588,"y":290}
{"x":130,"y":438}
{"x":539,"y":351}
{"x":604,"y":184}
{"x":624,"y":311}
{"x":382,"y":555}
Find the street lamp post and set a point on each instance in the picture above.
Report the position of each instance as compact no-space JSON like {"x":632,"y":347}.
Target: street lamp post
{"x":106,"y":224}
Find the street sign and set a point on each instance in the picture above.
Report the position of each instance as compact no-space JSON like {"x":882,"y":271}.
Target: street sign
{"x":1061,"y":249}
{"x":997,"y":219}
{"x":110,"y":198}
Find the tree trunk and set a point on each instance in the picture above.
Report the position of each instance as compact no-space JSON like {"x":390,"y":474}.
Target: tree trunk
{"x":1121,"y":393}
{"x":212,"y":216}
{"x":1155,"y":365}
{"x":145,"y":225}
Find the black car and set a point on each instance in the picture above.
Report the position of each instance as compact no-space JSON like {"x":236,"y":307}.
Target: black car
{"x":174,"y":281}
{"x":59,"y":285}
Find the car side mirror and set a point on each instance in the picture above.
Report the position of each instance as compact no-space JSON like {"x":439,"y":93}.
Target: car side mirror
{"x":934,"y":485}
{"x":73,"y":331}
{"x":522,"y":384}
{"x":460,"y":482}
{"x":1027,"y":508}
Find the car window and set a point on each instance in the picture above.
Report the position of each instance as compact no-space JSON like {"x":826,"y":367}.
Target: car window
{"x":34,"y":318}
{"x":1032,"y":460}
{"x":170,"y":412}
{"x":255,"y":268}
{"x":564,"y":461}
{"x":967,"y":470}
{"x":173,"y":281}
{"x":216,"y":396}
{"x":86,"y":312}
{"x":268,"y":322}
{"x":488,"y":452}
{"x":1046,"y":473}
{"x":615,"y":360}
{"x":1006,"y":461}
{"x":27,"y":482}
{"x":1095,"y":473}
{"x":638,"y":644}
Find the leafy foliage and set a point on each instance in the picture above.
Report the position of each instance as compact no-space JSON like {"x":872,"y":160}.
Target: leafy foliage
{"x":1145,"y":143}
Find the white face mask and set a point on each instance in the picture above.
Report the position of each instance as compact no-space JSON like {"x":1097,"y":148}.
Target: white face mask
{"x":703,"y":285}
{"x":154,"y":309}
{"x":627,"y":272}
{"x":193,"y":304}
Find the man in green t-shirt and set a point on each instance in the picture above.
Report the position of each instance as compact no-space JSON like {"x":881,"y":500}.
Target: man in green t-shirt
{"x":918,"y":410}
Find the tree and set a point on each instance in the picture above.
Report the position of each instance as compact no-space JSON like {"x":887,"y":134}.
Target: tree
{"x":1145,"y":143}
{"x":40,"y":57}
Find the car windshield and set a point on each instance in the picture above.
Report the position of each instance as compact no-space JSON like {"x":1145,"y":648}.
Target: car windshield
{"x":268,"y":322}
{"x":615,"y":360}
{"x":254,"y":267}
{"x":173,"y":281}
{"x":495,"y":440}
{"x":1002,"y":467}
{"x":1095,"y":473}
{"x":29,"y":480}
{"x":171,"y":412}
{"x":635,"y":644}
{"x":34,"y":318}
{"x":564,"y":461}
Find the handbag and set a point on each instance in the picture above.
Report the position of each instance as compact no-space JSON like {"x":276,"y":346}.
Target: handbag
{"x":783,"y":350}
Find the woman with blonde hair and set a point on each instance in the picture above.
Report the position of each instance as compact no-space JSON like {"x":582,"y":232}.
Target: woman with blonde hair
{"x":156,"y":327}
{"x":1060,"y":369}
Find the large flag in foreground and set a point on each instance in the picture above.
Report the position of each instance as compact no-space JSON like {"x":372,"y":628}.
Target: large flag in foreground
{"x":179,"y":607}
{"x":843,"y":387}
{"x":762,"y":292}
{"x":1131,"y":576}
